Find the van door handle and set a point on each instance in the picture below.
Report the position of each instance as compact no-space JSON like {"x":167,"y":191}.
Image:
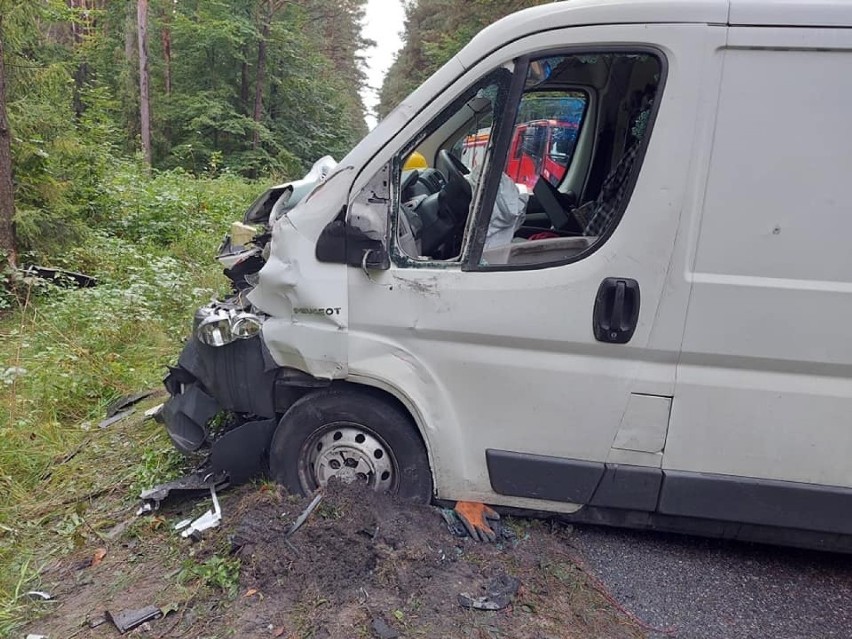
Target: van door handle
{"x":616,"y":310}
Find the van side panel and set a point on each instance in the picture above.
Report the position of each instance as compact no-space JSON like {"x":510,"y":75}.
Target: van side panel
{"x":764,"y":386}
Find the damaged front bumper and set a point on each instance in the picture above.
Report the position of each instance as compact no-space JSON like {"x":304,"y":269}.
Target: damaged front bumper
{"x":226,"y":400}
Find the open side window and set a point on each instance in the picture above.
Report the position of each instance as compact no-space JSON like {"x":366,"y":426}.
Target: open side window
{"x":436,"y":173}
{"x":423,"y":197}
{"x":532,"y":166}
{"x":359,"y":236}
{"x":573,"y":144}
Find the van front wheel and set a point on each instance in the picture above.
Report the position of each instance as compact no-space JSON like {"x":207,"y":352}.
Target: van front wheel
{"x":352,"y":437}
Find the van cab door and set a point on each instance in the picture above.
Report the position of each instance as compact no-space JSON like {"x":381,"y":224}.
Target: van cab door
{"x":536,"y":357}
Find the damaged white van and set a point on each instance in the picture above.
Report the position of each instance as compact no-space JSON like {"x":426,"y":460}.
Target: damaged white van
{"x":655,"y":335}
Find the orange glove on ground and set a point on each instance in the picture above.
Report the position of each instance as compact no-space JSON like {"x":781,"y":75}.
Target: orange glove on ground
{"x":476,"y":517}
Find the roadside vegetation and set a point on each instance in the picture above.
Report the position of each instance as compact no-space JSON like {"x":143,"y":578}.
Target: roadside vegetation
{"x":70,"y":351}
{"x":133,"y":132}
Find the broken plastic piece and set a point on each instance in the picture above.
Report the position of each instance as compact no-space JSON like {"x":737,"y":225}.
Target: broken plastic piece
{"x":60,"y":277}
{"x":304,"y":516}
{"x":208,"y":520}
{"x":97,"y":621}
{"x":197,"y":481}
{"x":242,"y":234}
{"x":109,"y":421}
{"x":126,"y":620}
{"x":40,"y":595}
{"x":36,"y":637}
{"x":125,"y":402}
{"x":183,"y":523}
{"x":498,"y":594}
{"x":154,"y":411}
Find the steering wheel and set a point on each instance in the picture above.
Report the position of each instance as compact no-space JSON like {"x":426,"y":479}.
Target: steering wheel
{"x":451,"y":165}
{"x":453,"y":204}
{"x":409,"y":180}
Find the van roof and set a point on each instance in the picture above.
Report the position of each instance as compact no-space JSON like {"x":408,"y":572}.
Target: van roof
{"x":791,"y":13}
{"x":570,"y":13}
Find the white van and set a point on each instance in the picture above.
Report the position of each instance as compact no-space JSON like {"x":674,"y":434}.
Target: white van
{"x":658,"y":341}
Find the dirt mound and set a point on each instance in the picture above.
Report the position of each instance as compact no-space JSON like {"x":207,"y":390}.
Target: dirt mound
{"x":366,"y":561}
{"x":355,"y":539}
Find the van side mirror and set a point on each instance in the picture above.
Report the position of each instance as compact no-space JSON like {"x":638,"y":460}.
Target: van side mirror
{"x":340,"y":243}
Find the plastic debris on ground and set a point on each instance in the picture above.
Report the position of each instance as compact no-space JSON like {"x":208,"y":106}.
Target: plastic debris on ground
{"x":39,"y":595}
{"x":126,"y":620}
{"x":123,"y":403}
{"x":152,"y":412}
{"x":304,"y":516}
{"x":208,"y":520}
{"x":97,"y":621}
{"x":195,"y":482}
{"x":109,"y":421}
{"x":60,"y":277}
{"x":183,"y":523}
{"x":499,"y":593}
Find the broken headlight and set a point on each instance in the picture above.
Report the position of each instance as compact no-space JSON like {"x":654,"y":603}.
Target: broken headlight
{"x":245,"y":325}
{"x":217,"y":327}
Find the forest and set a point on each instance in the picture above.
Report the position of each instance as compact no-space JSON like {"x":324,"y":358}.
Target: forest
{"x":435,"y":30}
{"x":132,"y":133}
{"x":253,"y":88}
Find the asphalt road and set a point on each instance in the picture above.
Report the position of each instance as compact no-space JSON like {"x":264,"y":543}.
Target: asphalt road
{"x":710,"y":589}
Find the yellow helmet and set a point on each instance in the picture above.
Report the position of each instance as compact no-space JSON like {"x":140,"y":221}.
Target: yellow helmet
{"x":415,"y":161}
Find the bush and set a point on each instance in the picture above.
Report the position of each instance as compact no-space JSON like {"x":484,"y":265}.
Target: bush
{"x":70,"y":351}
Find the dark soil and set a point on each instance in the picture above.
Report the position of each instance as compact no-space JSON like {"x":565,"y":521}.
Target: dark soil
{"x":363,"y":557}
{"x":363,"y":565}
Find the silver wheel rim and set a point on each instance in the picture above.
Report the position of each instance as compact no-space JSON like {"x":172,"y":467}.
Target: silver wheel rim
{"x":348,"y":452}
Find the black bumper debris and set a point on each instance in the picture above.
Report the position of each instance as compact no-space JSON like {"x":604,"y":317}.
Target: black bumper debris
{"x":186,"y":416}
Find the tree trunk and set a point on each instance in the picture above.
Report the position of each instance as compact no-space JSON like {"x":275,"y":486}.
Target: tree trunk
{"x":144,"y":97}
{"x":167,"y":57}
{"x":7,"y":195}
{"x":260,"y":80}
{"x":131,"y":88}
{"x":79,"y":31}
{"x":244,"y":83}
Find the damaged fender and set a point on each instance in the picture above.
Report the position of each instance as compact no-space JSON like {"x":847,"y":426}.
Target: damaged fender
{"x":306,"y":300}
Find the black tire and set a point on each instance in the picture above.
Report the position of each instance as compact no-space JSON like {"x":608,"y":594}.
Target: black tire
{"x":327,"y":413}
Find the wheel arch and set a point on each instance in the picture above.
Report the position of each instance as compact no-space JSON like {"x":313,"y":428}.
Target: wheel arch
{"x":392,"y":395}
{"x":398,"y":380}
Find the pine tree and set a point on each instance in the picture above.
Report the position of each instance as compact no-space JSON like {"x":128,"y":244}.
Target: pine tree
{"x":435,"y":30}
{"x":7,"y":199}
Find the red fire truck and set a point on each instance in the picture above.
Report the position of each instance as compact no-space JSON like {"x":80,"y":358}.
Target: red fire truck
{"x":539,"y":148}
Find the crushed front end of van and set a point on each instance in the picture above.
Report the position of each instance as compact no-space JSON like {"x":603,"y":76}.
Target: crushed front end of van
{"x":226,"y":390}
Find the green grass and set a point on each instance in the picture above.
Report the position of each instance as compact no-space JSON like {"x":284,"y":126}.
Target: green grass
{"x":69,"y":352}
{"x":222,"y":573}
